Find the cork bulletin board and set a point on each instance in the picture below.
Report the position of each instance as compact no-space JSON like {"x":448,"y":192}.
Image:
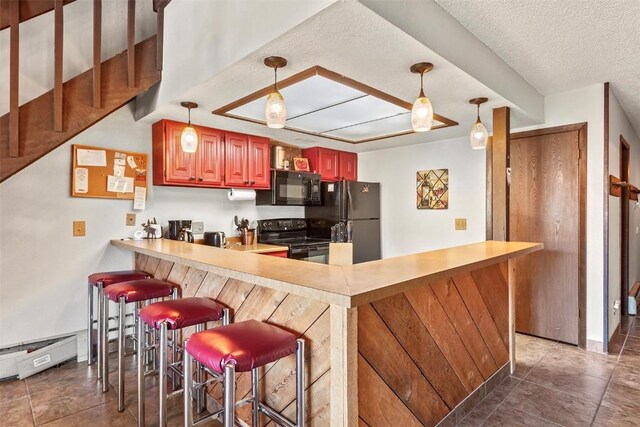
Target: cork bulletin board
{"x":107,"y":173}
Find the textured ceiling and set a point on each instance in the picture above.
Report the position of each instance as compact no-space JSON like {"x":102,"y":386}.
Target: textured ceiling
{"x":559,"y":45}
{"x":349,"y":39}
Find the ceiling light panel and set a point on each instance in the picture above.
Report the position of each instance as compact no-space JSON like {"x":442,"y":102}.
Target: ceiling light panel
{"x":304,"y":97}
{"x":360,"y":110}
{"x":387,"y":126}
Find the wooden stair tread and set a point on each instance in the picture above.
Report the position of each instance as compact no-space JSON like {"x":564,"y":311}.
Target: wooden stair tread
{"x":635,"y":290}
{"x":37,"y":136}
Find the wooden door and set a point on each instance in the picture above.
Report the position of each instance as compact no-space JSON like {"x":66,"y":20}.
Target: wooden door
{"x":181,"y":166}
{"x":348,"y":166}
{"x":235,"y":165}
{"x":546,"y":199}
{"x":328,"y":161}
{"x":210,"y":167}
{"x":259,"y":162}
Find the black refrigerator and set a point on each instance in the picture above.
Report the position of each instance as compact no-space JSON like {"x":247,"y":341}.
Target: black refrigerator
{"x":350,"y":201}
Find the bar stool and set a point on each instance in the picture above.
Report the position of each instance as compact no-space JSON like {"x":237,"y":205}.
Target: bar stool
{"x":173,"y":315}
{"x":101,"y":281}
{"x":134,"y":291}
{"x":243,"y":347}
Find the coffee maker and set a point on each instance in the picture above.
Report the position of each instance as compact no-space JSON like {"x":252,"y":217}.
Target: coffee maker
{"x":180,"y":230}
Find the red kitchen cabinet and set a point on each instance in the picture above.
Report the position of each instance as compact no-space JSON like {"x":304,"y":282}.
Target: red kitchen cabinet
{"x":279,"y":254}
{"x":171,"y":165}
{"x":210,"y":163}
{"x":222,"y":159}
{"x":259,"y":162}
{"x":332,"y":165}
{"x":247,"y":162}
{"x":235,"y":163}
{"x":348,"y":166}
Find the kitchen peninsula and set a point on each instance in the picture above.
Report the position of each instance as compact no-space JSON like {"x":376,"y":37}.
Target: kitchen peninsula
{"x":399,"y":341}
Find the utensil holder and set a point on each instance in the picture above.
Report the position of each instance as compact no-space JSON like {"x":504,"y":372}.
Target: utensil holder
{"x":247,"y":235}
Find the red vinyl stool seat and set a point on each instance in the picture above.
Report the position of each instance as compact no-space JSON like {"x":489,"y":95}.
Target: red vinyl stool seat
{"x":247,"y":345}
{"x":100,"y":281}
{"x":173,"y":315}
{"x":243,"y":347}
{"x":133,"y":291}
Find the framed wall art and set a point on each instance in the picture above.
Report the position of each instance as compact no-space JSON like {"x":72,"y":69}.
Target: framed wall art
{"x":432,"y":189}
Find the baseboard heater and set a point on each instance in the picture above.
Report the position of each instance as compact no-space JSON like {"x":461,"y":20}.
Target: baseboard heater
{"x":634,"y":299}
{"x":29,"y":359}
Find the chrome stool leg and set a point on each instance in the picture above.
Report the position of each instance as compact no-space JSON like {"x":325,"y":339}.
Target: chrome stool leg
{"x":229,"y":395}
{"x":90,"y":325}
{"x":121,"y":348}
{"x":300,"y":410}
{"x":140,"y":332}
{"x":103,"y":341}
{"x":162,"y":376}
{"x":200,"y":392}
{"x":101,"y":323}
{"x":187,"y":384}
{"x":255,"y":401}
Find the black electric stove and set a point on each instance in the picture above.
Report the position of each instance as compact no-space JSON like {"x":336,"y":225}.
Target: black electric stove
{"x":293,"y":233}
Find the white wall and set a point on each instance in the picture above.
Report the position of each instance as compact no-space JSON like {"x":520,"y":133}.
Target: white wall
{"x":36,"y":44}
{"x":43,"y":269}
{"x":576,"y":106}
{"x":406,"y":229}
{"x":619,"y":125}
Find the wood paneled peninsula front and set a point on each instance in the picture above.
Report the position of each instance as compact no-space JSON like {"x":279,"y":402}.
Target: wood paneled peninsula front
{"x":407,"y":341}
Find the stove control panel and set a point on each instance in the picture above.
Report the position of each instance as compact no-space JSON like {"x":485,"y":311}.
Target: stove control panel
{"x":282,"y":224}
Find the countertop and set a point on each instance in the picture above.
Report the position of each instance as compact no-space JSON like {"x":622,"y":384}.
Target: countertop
{"x":347,"y":286}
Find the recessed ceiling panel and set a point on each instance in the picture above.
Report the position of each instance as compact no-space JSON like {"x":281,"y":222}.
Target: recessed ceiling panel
{"x":323,"y":103}
{"x":359,"y":110}
{"x":309,"y":95}
{"x":393,"y":125}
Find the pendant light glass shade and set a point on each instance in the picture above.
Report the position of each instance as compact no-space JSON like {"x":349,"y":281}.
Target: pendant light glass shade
{"x":275,"y":110}
{"x":189,"y":140}
{"x":422,"y":114}
{"x":478,"y":136}
{"x":189,"y":136}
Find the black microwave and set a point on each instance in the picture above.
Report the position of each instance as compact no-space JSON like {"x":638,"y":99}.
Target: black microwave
{"x":291,"y":189}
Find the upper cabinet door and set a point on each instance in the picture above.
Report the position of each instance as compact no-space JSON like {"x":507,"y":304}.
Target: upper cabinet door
{"x":348,"y":166}
{"x":328,"y":164}
{"x":235,"y":167}
{"x":210,"y":167}
{"x":259,"y":162}
{"x":181,"y":166}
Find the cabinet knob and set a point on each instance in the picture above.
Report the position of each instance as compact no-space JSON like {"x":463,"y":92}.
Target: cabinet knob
{"x":246,"y":181}
{"x":201,"y":179}
{"x":253,"y":182}
{"x":192,"y":178}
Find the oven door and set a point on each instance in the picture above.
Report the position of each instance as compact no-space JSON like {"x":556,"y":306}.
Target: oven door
{"x":315,"y":253}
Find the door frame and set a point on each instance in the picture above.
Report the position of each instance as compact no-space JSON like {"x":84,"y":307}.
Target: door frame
{"x":581,"y":128}
{"x":625,"y":163}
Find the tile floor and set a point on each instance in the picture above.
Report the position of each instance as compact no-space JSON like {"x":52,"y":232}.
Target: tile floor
{"x":554,"y":384}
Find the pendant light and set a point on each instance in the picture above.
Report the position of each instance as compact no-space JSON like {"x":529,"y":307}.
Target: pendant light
{"x":189,"y":137}
{"x":275,"y":112}
{"x":479,"y":135}
{"x":422,"y":111}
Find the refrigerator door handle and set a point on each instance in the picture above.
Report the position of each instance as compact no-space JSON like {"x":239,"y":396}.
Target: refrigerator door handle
{"x":349,"y":207}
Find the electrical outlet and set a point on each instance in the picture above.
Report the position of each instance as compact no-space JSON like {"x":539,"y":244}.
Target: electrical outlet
{"x":461,"y":223}
{"x":131,"y":219}
{"x":197,"y":227}
{"x":79,"y":228}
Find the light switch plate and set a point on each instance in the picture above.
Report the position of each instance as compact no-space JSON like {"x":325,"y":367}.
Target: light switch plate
{"x":131,"y":219}
{"x":78,"y":228}
{"x":461,"y":223}
{"x":197,"y":227}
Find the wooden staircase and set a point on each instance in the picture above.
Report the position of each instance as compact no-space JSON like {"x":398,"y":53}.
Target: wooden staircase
{"x":32,"y":130}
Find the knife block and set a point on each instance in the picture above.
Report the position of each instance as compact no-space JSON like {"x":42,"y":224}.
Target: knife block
{"x":340,"y":253}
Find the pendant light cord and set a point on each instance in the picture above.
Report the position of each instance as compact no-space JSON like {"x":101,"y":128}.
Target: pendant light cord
{"x":189,"y":109}
{"x":275,"y":78}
